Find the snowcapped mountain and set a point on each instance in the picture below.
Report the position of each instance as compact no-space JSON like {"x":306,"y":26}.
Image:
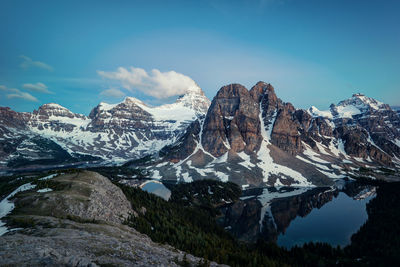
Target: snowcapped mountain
{"x":113,"y":132}
{"x":358,"y":104}
{"x":251,"y":137}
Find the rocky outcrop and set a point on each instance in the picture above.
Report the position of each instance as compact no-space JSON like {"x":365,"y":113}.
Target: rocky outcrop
{"x":79,"y":224}
{"x":84,"y":195}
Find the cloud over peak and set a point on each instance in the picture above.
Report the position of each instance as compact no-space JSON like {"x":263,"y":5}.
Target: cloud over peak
{"x":37,"y":87}
{"x":28,"y":63}
{"x":154,"y":83}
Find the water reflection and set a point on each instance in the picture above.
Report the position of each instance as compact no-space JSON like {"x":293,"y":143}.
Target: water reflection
{"x":292,"y":216}
{"x":156,"y":188}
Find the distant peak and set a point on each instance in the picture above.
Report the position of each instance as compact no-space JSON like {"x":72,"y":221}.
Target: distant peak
{"x":358,"y":94}
{"x":130,"y":99}
{"x":362,"y":101}
{"x":194,"y":89}
{"x":53,"y":106}
{"x":195,"y":99}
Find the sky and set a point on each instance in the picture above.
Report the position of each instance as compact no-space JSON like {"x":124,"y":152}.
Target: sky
{"x":79,"y":53}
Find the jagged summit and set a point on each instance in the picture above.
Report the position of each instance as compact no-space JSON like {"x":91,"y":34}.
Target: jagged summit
{"x":363,"y":103}
{"x":356,"y":105}
{"x":53,"y":110}
{"x":193,"y":99}
{"x":52,"y":105}
{"x":126,"y":130}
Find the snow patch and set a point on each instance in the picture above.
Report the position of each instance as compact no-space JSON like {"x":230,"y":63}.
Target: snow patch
{"x":44,"y":190}
{"x":267,"y":164}
{"x":6,"y":206}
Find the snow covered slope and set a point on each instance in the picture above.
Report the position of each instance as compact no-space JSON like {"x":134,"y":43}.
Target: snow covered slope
{"x":112,"y":132}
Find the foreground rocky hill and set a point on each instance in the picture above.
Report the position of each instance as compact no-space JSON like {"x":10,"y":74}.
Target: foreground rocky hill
{"x":77,"y":221}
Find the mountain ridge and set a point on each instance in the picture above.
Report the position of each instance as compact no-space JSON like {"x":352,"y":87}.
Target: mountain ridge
{"x":282,"y":145}
{"x":250,"y":137}
{"x":111,"y":132}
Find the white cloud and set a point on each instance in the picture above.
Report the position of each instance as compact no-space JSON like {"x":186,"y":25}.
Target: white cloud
{"x":22,"y":95}
{"x":28,"y":62}
{"x":112,"y":93}
{"x":37,"y":87}
{"x":155,"y":83}
{"x":15,"y":93}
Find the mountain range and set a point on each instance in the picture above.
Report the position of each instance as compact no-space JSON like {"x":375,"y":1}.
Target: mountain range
{"x":250,"y":137}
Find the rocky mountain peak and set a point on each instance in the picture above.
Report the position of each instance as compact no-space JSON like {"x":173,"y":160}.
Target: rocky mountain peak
{"x":232,"y":122}
{"x":195,"y":99}
{"x":232,"y":91}
{"x":129,"y":100}
{"x":356,"y":105}
{"x":54,"y":110}
{"x":264,"y":93}
{"x":261,"y":89}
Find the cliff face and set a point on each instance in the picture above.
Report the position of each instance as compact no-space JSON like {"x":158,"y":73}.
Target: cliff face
{"x":232,"y":122}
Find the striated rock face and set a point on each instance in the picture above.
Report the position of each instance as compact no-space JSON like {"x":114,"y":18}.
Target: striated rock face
{"x":278,"y":116}
{"x":127,"y":115}
{"x":12,"y":119}
{"x":232,"y":122}
{"x":285,"y":134}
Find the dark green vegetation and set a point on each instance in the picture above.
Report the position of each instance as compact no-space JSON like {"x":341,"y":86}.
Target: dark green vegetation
{"x":50,"y":153}
{"x":378,"y":240}
{"x":139,"y":162}
{"x":187,"y":222}
{"x":116,"y":173}
{"x":188,"y":228}
{"x":204,"y":194}
{"x":9,"y":183}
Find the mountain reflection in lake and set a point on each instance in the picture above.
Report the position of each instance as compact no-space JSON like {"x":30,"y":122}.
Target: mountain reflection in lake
{"x":156,"y":188}
{"x":294,"y":216}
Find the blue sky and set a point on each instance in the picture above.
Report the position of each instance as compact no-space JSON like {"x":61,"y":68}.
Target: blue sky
{"x":314,"y":52}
